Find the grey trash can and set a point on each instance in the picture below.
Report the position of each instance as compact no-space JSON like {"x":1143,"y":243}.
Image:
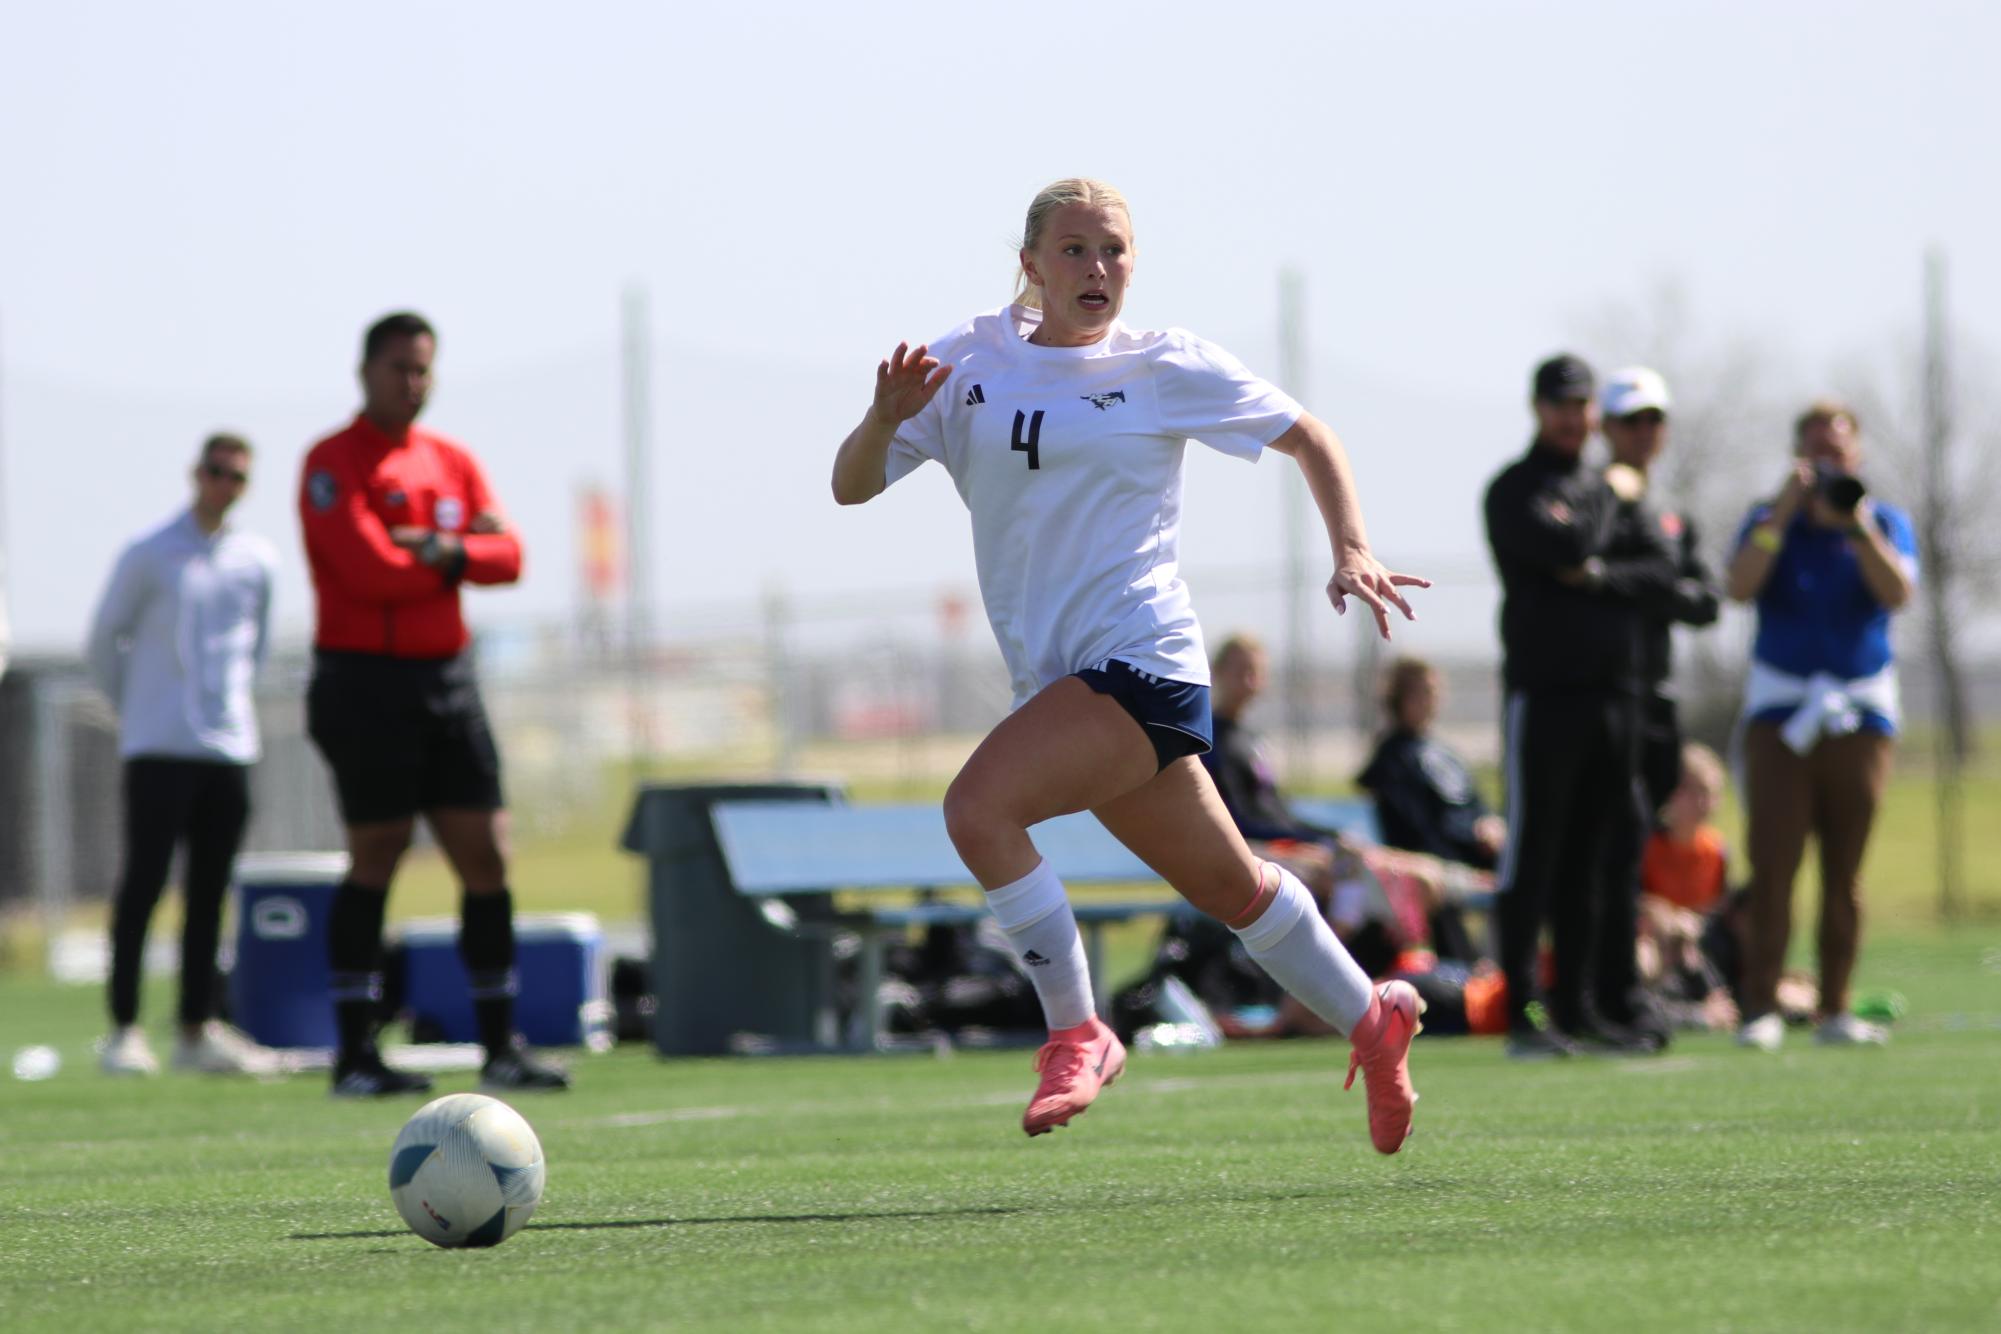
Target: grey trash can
{"x":720,"y":966}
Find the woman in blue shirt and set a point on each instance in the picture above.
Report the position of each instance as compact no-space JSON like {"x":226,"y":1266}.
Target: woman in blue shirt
{"x":1826,"y":564}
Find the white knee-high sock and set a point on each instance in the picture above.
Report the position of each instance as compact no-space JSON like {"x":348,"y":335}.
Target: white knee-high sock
{"x":1035,"y":913}
{"x":1293,"y":943}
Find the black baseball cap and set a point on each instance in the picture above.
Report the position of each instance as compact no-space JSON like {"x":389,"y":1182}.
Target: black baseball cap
{"x":1562,"y":377}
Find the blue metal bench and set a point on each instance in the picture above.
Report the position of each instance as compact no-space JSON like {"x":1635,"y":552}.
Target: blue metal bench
{"x":1348,"y":815}
{"x":778,"y":848}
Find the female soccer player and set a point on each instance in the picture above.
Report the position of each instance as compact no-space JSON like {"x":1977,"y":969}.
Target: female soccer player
{"x":1063,"y":431}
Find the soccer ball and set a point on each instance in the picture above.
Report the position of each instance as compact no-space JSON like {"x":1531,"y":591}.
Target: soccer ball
{"x":466,"y":1171}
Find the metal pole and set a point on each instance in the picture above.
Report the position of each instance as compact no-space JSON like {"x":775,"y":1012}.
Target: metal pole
{"x":53,"y":863}
{"x":1295,"y":504}
{"x":637,"y":365}
{"x":1937,"y":545}
{"x":778,"y":670}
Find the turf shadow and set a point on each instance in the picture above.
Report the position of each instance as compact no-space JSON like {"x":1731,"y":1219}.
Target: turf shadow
{"x":988,"y":1211}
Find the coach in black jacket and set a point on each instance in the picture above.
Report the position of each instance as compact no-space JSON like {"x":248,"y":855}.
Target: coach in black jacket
{"x":1635,"y":410}
{"x":1571,"y":630}
{"x":1634,"y":407}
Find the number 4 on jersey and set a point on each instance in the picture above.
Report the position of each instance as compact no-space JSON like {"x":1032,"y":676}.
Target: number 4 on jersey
{"x":1029,"y":446}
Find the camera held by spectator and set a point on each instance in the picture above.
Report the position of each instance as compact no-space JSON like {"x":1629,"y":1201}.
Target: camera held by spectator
{"x":1841,"y":489}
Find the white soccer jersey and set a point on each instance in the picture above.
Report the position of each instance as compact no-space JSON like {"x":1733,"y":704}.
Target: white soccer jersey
{"x":1069,"y":459}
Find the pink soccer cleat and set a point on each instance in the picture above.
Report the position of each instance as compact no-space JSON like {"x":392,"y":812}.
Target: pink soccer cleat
{"x":1382,"y":1050}
{"x":1075,"y":1063}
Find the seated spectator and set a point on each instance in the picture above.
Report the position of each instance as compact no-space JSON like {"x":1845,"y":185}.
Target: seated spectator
{"x":1425,"y":798}
{"x":1395,"y":910}
{"x":1690,"y":923}
{"x":1417,"y":890}
{"x":1244,"y":777}
{"x":1684,"y":985}
{"x":1410,"y":898}
{"x":1691,"y":966}
{"x":1684,"y":864}
{"x":1398,"y":914}
{"x":1686,"y":922}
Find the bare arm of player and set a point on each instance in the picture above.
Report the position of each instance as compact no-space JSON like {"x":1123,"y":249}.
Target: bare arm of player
{"x":1313,"y":445}
{"x":905,"y":381}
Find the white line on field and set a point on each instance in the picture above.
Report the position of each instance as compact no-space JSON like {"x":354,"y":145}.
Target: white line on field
{"x":858,"y":1106}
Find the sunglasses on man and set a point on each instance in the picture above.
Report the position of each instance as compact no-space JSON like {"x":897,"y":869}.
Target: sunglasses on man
{"x":222,"y":474}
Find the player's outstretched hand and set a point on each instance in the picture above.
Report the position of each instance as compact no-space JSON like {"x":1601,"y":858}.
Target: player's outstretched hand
{"x":905,"y":381}
{"x":1362,"y":576}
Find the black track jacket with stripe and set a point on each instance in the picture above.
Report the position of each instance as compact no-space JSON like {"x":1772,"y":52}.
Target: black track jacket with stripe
{"x":1547,"y":514}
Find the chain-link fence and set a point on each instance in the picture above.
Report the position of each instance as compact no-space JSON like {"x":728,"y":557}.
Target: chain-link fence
{"x":888,"y":692}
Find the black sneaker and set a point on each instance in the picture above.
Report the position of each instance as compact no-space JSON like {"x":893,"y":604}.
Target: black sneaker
{"x":1535,"y":1044}
{"x":1602,"y":1037}
{"x":368,"y":1077}
{"x":516,"y":1070}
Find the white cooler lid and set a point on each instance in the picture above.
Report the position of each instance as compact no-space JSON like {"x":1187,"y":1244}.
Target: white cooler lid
{"x":527,"y":926}
{"x":282,"y":868}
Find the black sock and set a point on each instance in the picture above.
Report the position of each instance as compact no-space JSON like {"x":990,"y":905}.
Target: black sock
{"x":486,"y":944}
{"x":354,"y":953}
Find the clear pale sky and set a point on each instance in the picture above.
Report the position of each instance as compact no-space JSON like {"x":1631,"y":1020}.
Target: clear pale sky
{"x":202,"y":205}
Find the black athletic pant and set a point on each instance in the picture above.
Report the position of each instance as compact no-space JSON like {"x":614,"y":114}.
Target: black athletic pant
{"x":1660,"y":752}
{"x":1572,"y":762}
{"x":205,"y":803}
{"x":1658,"y":772}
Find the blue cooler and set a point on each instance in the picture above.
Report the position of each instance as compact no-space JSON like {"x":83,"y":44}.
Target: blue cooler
{"x":559,"y":960}
{"x":278,"y":980}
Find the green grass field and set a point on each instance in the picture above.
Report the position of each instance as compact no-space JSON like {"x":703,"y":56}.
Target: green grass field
{"x":1223,"y":1190}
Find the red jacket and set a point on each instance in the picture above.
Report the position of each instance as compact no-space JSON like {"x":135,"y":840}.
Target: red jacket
{"x":377,"y":597}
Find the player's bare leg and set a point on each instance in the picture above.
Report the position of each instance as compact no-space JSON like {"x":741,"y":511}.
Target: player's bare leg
{"x":1068,"y":749}
{"x":1177,"y":825}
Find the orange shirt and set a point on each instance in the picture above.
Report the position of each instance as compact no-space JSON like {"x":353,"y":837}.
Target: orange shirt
{"x":1688,"y":875}
{"x":1487,"y":1003}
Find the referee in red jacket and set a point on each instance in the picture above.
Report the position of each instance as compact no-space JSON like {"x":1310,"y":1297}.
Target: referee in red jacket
{"x":396,"y":518}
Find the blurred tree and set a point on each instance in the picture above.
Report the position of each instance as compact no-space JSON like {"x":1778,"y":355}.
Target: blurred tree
{"x":1952,"y":470}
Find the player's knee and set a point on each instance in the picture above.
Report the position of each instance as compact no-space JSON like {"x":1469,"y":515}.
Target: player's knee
{"x":972,"y":818}
{"x":375,"y":852}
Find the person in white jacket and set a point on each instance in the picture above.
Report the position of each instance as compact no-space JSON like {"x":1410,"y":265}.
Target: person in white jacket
{"x":175,"y":643}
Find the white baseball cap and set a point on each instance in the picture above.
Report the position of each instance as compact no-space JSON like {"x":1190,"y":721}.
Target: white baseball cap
{"x":1634,"y":389}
